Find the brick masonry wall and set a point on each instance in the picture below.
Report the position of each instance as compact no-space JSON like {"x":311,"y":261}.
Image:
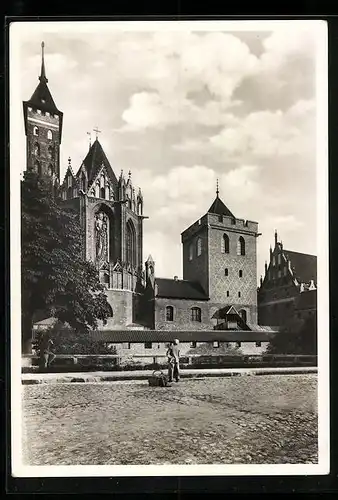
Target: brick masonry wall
{"x":277,"y":296}
{"x":121,"y":302}
{"x":220,"y":284}
{"x":197,"y":269}
{"x":44,"y":124}
{"x":128,"y":350}
{"x":182,"y":314}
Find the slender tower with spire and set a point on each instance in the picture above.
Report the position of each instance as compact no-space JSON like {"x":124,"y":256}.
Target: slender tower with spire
{"x":43,"y":129}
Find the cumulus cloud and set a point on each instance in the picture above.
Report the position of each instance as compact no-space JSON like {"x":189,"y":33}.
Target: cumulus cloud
{"x":269,"y":133}
{"x":192,"y":107}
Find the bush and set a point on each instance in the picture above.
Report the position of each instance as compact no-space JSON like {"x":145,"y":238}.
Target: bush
{"x":68,"y":341}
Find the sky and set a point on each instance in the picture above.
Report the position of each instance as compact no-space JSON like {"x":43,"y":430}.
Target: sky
{"x":181,"y":105}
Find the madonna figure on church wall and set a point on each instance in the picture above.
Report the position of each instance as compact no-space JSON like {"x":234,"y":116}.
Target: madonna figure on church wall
{"x":101,"y":236}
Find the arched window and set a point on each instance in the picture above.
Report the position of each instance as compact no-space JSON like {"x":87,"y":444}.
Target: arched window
{"x":37,"y":149}
{"x":196,"y":314}
{"x":241,"y":246}
{"x":199,"y":246}
{"x":226,"y":272}
{"x":83,"y":182}
{"x":191,"y":251}
{"x":240,"y":273}
{"x":169,"y":313}
{"x":36,"y":131}
{"x":131,"y":244}
{"x":49,"y":135}
{"x":70,"y":192}
{"x":242,"y":313}
{"x":225,"y":244}
{"x":50,"y":152}
{"x":102,"y":192}
{"x":50,"y":169}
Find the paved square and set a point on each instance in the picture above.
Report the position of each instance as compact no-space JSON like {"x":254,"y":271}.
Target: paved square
{"x":251,"y":419}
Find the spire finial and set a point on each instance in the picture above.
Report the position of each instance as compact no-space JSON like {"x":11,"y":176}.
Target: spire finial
{"x":69,"y":162}
{"x":129,"y":174}
{"x":97,"y":131}
{"x":42,"y":76}
{"x":217,"y":190}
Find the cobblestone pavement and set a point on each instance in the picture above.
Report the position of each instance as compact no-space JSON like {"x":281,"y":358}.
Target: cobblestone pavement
{"x":260,"y":419}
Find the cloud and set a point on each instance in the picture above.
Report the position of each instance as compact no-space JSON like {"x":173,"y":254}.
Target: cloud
{"x":192,"y":107}
{"x":269,"y":133}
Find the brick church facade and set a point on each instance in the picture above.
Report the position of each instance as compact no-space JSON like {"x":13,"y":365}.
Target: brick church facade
{"x":289,"y":287}
{"x":218,"y":290}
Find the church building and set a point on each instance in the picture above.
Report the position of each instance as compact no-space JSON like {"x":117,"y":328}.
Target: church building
{"x":289,"y":286}
{"x":219,"y":288}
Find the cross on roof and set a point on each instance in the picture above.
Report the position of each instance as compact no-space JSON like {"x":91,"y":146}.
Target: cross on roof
{"x":97,"y":131}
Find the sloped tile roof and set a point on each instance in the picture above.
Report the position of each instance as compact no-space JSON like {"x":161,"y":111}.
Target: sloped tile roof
{"x":42,"y":99}
{"x":140,"y":336}
{"x":219,"y":208}
{"x":303,"y":265}
{"x":93,"y":162}
{"x":179,"y":289}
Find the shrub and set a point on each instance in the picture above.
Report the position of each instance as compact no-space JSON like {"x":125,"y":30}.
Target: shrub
{"x":68,"y":341}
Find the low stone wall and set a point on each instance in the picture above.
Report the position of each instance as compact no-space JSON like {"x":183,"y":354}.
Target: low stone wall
{"x":74,"y":363}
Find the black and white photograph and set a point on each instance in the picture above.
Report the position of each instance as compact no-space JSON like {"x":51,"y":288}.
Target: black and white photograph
{"x":169,"y":248}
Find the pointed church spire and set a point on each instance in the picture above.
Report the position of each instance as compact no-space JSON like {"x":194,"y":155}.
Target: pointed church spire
{"x":42,"y":76}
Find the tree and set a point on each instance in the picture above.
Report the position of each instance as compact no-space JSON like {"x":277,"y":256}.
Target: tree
{"x":55,"y":276}
{"x":296,"y":337}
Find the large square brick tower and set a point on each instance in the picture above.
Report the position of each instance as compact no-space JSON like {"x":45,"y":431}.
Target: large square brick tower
{"x":219,"y":251}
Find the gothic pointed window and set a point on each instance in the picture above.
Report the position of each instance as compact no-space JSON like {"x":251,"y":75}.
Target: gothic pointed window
{"x":199,"y":246}
{"x":37,"y":149}
{"x":49,"y":135}
{"x":83,"y":182}
{"x":36,"y":131}
{"x":225,"y":244}
{"x":50,"y":152}
{"x":191,"y":251}
{"x":102,"y":193}
{"x":241,"y":246}
{"x":131,"y":244}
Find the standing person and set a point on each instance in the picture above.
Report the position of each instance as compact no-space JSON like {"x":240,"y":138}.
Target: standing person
{"x":173,"y":354}
{"x":46,"y":352}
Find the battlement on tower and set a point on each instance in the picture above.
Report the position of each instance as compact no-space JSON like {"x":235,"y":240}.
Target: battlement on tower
{"x":220,"y":222}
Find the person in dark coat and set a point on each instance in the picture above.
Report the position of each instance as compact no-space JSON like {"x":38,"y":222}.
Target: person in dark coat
{"x":173,"y":354}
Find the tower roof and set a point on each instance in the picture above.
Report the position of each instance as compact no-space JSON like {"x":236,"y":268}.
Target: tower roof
{"x":42,"y":98}
{"x":93,"y":162}
{"x":219,"y":208}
